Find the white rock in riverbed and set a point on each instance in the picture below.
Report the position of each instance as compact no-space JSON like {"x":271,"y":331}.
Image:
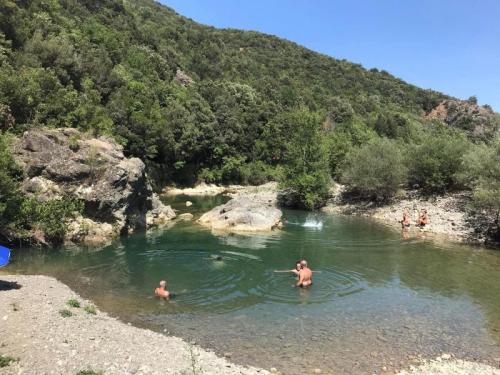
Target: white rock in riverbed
{"x":244,"y":213}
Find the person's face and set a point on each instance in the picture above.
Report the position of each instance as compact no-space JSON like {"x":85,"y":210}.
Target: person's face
{"x":298,"y":267}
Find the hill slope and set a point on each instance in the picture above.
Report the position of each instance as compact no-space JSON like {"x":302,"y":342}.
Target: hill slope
{"x":184,"y":97}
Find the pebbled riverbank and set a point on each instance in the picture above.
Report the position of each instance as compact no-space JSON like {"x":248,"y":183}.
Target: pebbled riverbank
{"x":451,"y":217}
{"x":33,"y":330}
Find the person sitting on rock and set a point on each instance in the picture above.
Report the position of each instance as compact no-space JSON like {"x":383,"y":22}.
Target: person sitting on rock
{"x":405,"y":223}
{"x":305,"y":275}
{"x":423,"y":219}
{"x":161,"y":290}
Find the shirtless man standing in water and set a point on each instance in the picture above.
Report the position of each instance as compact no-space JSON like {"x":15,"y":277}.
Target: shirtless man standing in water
{"x":161,"y":292}
{"x":305,"y":275}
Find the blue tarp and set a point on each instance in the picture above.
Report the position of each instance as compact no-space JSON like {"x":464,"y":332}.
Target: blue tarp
{"x":4,"y":256}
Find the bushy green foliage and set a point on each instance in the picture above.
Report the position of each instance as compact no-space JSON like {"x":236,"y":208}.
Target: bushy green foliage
{"x":375,"y":170}
{"x":306,"y":174}
{"x":481,"y":172}
{"x":10,"y":197}
{"x":72,"y":302}
{"x":110,"y":69}
{"x":434,"y":163}
{"x":50,"y":216}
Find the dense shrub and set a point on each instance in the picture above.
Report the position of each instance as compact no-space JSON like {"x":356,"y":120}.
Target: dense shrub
{"x":481,"y":172}
{"x":375,"y":170}
{"x":434,"y":164}
{"x":306,"y":174}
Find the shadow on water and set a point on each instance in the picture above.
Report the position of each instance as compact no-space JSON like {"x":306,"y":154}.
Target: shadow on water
{"x":378,"y":297}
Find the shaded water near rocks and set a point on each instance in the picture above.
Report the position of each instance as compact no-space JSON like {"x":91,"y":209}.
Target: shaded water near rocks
{"x":379,"y":301}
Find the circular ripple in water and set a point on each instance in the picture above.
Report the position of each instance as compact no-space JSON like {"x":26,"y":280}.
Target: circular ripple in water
{"x":330,"y":283}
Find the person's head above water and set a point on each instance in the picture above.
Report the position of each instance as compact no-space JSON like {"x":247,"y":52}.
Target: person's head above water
{"x":163,"y":284}
{"x":303,"y":263}
{"x":298,"y":265}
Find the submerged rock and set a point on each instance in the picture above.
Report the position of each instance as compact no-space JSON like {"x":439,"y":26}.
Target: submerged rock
{"x":117,"y":195}
{"x":245,"y":213}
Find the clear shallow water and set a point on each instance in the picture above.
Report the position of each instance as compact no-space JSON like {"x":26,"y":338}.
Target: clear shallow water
{"x":378,"y":299}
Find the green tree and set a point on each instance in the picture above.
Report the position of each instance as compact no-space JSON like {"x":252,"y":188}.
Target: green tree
{"x":306,"y":174}
{"x":481,"y":172}
{"x":375,"y":170}
{"x":434,"y":163}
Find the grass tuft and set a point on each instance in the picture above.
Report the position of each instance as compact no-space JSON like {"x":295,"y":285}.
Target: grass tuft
{"x":73,"y":303}
{"x":65,"y":313}
{"x":89,"y":372}
{"x":90,"y":309}
{"x":6,"y":360}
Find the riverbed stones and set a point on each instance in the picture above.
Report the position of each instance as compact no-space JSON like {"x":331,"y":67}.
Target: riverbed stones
{"x":115,"y":190}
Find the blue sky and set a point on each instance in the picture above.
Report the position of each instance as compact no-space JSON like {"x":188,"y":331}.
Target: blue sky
{"x":448,"y":45}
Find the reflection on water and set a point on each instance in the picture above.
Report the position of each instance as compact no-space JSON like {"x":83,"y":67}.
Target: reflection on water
{"x":378,"y":298}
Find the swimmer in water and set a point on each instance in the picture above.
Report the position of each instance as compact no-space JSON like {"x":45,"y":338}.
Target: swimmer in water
{"x":161,"y":290}
{"x":296,"y":270}
{"x":305,"y":275}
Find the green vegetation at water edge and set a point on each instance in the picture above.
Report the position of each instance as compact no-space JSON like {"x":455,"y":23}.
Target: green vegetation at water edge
{"x":226,"y":106}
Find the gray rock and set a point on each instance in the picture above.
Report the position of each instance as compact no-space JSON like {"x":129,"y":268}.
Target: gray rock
{"x":245,"y":213}
{"x":117,"y":195}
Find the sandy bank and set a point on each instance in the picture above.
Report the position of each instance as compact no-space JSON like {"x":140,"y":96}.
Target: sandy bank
{"x":33,"y":330}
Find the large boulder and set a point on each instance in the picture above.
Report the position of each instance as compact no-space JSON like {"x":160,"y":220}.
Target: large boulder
{"x":244,"y":213}
{"x":115,"y":189}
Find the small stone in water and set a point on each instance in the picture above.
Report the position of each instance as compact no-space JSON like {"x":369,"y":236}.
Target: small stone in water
{"x":317,"y":371}
{"x":228,"y":355}
{"x":274,"y":370}
{"x":446,"y":356}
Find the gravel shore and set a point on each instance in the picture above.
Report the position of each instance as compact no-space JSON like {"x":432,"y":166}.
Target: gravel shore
{"x":33,"y":330}
{"x":450,"y":216}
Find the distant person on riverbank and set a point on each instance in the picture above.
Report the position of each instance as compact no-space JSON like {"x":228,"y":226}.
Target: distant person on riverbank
{"x":405,"y":223}
{"x":305,"y":275}
{"x":161,"y":290}
{"x":423,"y":219}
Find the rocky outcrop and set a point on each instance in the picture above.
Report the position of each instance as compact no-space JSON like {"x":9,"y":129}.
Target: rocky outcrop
{"x":182,"y":78}
{"x":481,"y":122}
{"x":245,"y":213}
{"x":115,"y":190}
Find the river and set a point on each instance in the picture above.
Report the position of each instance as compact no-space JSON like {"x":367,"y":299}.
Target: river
{"x":379,"y":300}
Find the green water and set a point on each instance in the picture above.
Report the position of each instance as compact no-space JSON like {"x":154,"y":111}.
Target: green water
{"x":378,"y":298}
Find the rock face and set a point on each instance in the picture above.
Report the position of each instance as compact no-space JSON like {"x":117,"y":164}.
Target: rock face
{"x":481,"y":122}
{"x":115,"y":190}
{"x":244,"y":213}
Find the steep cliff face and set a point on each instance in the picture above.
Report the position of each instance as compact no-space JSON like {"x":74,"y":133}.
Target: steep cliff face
{"x":115,"y":190}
